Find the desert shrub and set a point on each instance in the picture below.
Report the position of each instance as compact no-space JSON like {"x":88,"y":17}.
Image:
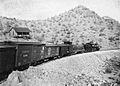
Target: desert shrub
{"x":112,"y":64}
{"x":39,"y":37}
{"x":102,"y":34}
{"x":118,"y":34}
{"x":112,"y":67}
{"x":102,"y":29}
{"x":117,"y":38}
{"x":100,"y":39}
{"x":108,"y":70}
{"x":111,"y":39}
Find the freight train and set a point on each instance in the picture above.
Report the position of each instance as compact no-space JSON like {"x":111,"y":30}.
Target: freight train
{"x":21,"y":55}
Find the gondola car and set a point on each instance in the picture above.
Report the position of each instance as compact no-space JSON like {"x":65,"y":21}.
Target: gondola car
{"x":7,"y":59}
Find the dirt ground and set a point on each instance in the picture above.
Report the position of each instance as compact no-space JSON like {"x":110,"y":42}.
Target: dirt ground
{"x":100,"y":68}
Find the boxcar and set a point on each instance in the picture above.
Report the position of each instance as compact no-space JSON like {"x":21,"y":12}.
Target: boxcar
{"x":27,"y":52}
{"x":51,"y":50}
{"x":38,"y":52}
{"x":7,"y":58}
{"x":1,"y":43}
{"x":23,"y":53}
{"x":64,"y":49}
{"x":70,"y":48}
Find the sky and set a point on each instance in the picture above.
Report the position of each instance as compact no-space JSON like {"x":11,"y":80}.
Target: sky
{"x":42,"y":9}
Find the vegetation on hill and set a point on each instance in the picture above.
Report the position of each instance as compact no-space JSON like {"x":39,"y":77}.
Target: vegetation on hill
{"x":78,"y":25}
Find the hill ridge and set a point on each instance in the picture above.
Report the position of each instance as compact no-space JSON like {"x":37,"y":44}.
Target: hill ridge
{"x":78,"y":25}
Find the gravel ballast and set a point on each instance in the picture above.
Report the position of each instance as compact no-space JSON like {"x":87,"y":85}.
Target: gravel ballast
{"x":89,"y":69}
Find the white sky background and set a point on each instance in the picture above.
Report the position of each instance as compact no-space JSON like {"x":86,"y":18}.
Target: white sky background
{"x":42,"y":9}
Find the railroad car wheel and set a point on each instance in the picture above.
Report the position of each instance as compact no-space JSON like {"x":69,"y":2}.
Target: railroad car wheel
{"x":56,"y":57}
{"x":34,"y":64}
{"x":21,"y":68}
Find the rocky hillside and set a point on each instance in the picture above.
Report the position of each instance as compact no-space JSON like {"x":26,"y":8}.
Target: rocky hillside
{"x":79,"y":25}
{"x":100,"y":68}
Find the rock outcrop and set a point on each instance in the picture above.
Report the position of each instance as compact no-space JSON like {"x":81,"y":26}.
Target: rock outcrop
{"x":78,"y":25}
